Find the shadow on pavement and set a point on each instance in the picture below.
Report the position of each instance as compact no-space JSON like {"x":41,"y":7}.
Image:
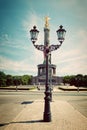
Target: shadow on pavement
{"x":32,"y":121}
{"x":27,"y":102}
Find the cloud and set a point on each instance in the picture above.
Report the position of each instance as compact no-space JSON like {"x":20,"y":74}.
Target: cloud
{"x":16,"y":66}
{"x":7,"y":41}
{"x":22,"y":58}
{"x":72,"y":68}
{"x":71,"y":57}
{"x":82,"y":34}
{"x":32,"y":18}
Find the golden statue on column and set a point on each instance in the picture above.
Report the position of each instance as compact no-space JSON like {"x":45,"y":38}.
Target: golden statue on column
{"x":47,"y":21}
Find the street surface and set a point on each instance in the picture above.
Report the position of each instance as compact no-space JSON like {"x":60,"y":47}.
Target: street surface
{"x":13,"y":102}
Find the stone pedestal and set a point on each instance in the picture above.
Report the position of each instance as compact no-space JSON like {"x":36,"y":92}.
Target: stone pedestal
{"x":42,"y":73}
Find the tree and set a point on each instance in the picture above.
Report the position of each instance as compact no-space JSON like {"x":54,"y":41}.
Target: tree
{"x":84,"y":81}
{"x":30,"y":80}
{"x":17,"y":80}
{"x":79,"y":80}
{"x":26,"y":79}
{"x":66,"y":79}
{"x":9,"y":80}
{"x":2,"y":79}
{"x":72,"y":80}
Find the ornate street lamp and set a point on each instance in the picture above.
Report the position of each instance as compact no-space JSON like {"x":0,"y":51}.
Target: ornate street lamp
{"x":34,"y":34}
{"x":61,"y":34}
{"x":47,"y":48}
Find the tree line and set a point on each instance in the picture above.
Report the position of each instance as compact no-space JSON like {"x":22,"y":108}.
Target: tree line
{"x":9,"y":80}
{"x":76,"y":80}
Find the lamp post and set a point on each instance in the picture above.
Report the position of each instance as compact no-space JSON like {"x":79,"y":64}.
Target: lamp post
{"x":47,"y":48}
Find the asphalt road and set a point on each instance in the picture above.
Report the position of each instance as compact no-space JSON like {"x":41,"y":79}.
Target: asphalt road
{"x":12,"y":102}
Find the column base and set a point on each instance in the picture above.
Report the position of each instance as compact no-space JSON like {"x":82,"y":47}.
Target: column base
{"x":47,"y":117}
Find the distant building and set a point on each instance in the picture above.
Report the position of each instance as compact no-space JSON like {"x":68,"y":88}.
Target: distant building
{"x":41,"y":80}
{"x":41,"y":76}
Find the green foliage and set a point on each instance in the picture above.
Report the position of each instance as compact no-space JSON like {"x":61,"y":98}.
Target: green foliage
{"x":17,"y":80}
{"x":9,"y":80}
{"x":2,"y":79}
{"x":66,"y":79}
{"x":77,"y":80}
{"x":85,"y":80}
{"x":26,"y":79}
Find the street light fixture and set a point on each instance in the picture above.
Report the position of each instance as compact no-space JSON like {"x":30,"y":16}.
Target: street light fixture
{"x":34,"y":34}
{"x":61,"y":34}
{"x":47,"y":48}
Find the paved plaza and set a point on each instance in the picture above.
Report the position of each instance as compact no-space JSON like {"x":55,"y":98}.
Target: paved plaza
{"x":68,"y":110}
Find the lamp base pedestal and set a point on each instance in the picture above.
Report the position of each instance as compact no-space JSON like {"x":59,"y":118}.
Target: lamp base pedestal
{"x":47,"y":117}
{"x":47,"y":112}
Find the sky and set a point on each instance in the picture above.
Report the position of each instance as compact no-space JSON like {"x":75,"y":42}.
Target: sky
{"x":17,"y":53}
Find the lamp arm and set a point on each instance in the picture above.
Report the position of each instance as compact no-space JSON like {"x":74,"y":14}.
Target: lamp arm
{"x":54,"y":47}
{"x":39,"y":47}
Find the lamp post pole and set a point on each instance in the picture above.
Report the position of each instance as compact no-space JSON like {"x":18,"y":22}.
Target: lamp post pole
{"x":47,"y":48}
{"x":47,"y":112}
{"x":50,"y":69}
